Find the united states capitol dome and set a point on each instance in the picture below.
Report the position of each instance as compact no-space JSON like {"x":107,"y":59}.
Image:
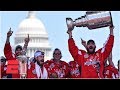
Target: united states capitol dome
{"x":32,"y":25}
{"x":38,"y":35}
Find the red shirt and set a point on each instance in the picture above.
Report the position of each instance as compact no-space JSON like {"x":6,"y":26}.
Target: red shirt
{"x":110,"y":72}
{"x":31,"y":71}
{"x":10,"y":56}
{"x":60,"y":69}
{"x":88,"y":61}
{"x":74,"y":69}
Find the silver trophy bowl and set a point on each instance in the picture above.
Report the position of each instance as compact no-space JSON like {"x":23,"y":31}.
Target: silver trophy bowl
{"x":91,"y":20}
{"x":22,"y":58}
{"x":22,"y":66}
{"x":70,"y":23}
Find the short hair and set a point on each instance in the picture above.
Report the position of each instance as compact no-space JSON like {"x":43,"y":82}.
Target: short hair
{"x":18,"y":47}
{"x":90,"y":41}
{"x":56,"y":50}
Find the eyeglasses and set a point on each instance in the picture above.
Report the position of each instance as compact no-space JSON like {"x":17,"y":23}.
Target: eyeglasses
{"x":57,"y":53}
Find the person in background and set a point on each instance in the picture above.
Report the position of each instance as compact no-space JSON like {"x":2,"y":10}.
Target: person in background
{"x":19,"y":50}
{"x":3,"y":67}
{"x":56,"y":67}
{"x":110,"y":71}
{"x":74,"y":70}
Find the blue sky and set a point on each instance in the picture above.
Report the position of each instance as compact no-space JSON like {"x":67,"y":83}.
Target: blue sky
{"x":55,"y":24}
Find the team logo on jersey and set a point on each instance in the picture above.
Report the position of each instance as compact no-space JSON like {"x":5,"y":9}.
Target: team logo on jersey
{"x":75,"y":72}
{"x":86,"y":56}
{"x":91,"y":62}
{"x":60,"y":73}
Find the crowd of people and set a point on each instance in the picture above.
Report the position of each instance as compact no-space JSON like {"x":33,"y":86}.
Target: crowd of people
{"x":85,"y":64}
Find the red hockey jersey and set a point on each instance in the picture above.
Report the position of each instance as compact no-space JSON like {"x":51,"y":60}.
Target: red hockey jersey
{"x":10,"y":56}
{"x":61,"y":69}
{"x":34,"y":72}
{"x":88,"y":62}
{"x":111,"y":72}
{"x":74,"y":70}
{"x":3,"y":71}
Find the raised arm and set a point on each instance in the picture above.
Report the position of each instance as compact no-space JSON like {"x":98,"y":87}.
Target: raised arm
{"x":9,"y":34}
{"x":71,"y":44}
{"x":111,"y":30}
{"x":25,"y":45}
{"x":7,"y":47}
{"x":107,"y":49}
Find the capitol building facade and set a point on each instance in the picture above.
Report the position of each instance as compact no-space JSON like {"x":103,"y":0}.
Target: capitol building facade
{"x":38,"y":36}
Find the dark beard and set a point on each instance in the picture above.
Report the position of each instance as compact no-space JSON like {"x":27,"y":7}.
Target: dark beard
{"x":90,"y":52}
{"x":39,"y":64}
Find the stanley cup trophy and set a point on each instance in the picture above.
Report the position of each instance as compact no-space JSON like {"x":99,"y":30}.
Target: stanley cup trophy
{"x":22,"y":66}
{"x":91,"y":20}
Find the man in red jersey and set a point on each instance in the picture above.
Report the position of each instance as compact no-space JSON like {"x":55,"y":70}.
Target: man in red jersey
{"x":56,"y":67}
{"x":74,"y":70}
{"x":37,"y":69}
{"x":91,"y":62}
{"x":110,"y":71}
{"x":18,"y":50}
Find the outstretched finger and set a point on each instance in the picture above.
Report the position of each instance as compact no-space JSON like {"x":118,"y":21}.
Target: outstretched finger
{"x":28,"y":35}
{"x":10,"y":29}
{"x":82,"y":40}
